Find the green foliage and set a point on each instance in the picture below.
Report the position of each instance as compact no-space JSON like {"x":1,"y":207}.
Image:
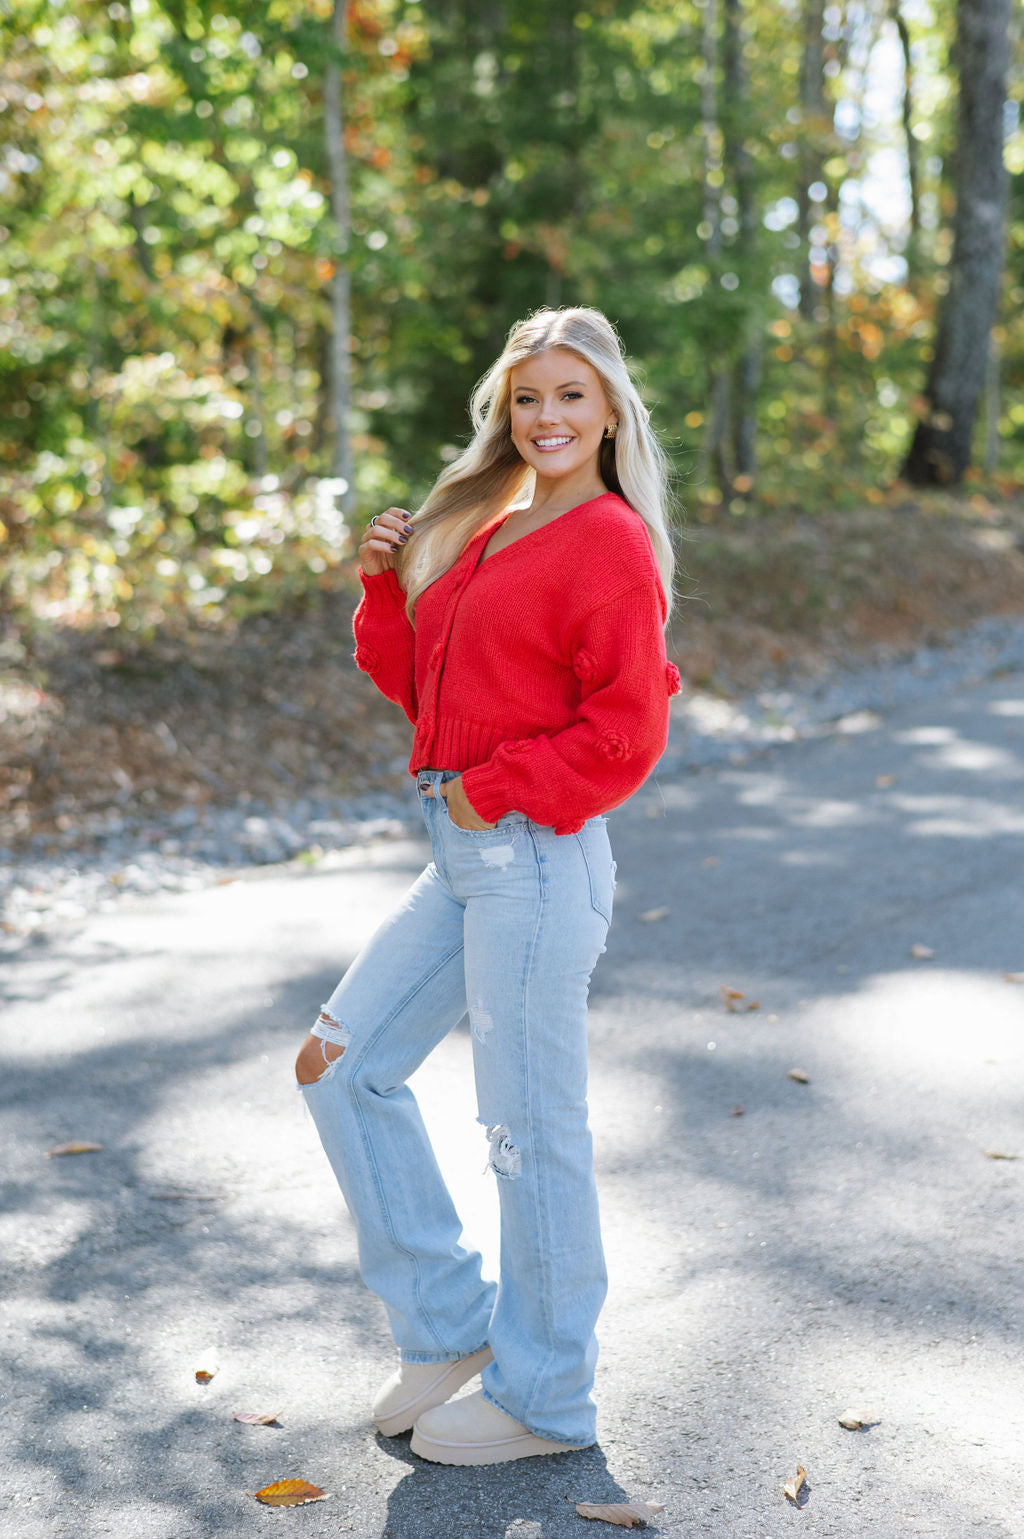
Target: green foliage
{"x":167,"y":248}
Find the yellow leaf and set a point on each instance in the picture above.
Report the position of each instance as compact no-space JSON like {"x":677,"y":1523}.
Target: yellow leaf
{"x":652,"y":915}
{"x":289,"y":1493}
{"x":800,"y":1075}
{"x":792,"y":1489}
{"x":999,"y":1154}
{"x":76,"y":1147}
{"x":625,"y":1514}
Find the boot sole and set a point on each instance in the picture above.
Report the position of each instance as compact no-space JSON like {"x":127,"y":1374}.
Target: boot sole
{"x":442,"y":1389}
{"x":497,"y":1452}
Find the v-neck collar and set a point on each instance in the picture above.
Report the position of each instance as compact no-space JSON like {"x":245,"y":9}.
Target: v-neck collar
{"x":492,"y":528}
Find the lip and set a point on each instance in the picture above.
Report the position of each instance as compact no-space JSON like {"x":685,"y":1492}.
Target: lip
{"x":551,"y":443}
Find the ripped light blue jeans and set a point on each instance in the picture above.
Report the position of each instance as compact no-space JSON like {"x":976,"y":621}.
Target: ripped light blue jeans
{"x":507,"y":924}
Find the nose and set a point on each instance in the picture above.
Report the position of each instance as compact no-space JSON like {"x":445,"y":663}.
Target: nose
{"x":548,"y":412}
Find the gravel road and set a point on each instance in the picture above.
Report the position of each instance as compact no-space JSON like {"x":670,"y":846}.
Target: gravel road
{"x":62,"y":878}
{"x":781,"y":1249}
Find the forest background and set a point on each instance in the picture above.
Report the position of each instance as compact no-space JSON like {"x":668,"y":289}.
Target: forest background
{"x":253,"y":256}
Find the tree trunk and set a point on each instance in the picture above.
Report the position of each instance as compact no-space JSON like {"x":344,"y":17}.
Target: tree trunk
{"x":739,"y":169}
{"x":716,"y":447}
{"x":813,"y":113}
{"x":941,"y":448}
{"x":339,"y":357}
{"x":913,"y":172}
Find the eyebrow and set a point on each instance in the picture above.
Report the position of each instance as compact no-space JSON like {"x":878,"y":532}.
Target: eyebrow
{"x":580,"y":382}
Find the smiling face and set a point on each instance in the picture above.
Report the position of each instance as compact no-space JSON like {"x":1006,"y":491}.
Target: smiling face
{"x":559,"y":414}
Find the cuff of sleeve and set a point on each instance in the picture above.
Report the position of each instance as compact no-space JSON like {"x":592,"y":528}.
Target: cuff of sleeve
{"x":486,"y":787}
{"x":383,"y":586}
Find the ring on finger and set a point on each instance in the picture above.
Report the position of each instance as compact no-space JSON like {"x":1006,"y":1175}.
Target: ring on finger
{"x":373,"y":521}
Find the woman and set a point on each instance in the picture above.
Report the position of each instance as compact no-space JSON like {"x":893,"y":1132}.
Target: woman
{"x":518,"y":620}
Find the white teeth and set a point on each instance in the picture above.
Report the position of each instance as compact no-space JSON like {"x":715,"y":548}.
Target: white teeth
{"x":552,"y":443}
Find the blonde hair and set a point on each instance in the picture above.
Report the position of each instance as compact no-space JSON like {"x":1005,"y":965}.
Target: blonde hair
{"x":491,"y":474}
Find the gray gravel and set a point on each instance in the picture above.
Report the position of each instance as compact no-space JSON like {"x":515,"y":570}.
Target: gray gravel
{"x":91,"y":869}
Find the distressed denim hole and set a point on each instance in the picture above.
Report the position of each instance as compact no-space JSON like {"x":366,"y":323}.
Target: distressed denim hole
{"x":505,"y":1159}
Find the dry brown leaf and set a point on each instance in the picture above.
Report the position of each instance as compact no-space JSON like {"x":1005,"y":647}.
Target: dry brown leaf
{"x":731,"y":998}
{"x":1000,"y":1154}
{"x":625,"y":1514}
{"x":738,"y":1111}
{"x":1014,"y":977}
{"x":921,"y":953}
{"x":75,"y":1147}
{"x":257,"y":1418}
{"x":800,"y":1075}
{"x":791,"y":1490}
{"x":289,"y":1493}
{"x":652,"y":915}
{"x":853,"y":1421}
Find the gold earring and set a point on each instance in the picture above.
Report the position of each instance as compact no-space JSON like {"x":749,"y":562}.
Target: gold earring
{"x":611,"y":430}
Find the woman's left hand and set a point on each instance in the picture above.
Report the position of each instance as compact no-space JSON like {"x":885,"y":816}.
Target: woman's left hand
{"x":460,"y":808}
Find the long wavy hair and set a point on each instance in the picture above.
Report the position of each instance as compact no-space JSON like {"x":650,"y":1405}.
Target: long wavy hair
{"x":490,"y":474}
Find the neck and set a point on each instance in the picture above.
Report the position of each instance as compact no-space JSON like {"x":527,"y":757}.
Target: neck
{"x":554,"y":495}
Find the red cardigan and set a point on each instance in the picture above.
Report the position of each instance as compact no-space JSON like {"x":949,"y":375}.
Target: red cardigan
{"x":539,"y":673}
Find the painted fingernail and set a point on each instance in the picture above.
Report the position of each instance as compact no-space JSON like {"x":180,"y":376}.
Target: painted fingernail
{"x":408,"y":529}
{"x":402,"y":540}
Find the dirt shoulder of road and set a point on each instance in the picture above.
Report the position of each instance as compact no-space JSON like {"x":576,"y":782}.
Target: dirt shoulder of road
{"x":275,"y":708}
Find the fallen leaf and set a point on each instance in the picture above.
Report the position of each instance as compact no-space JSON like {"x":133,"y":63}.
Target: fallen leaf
{"x":625,"y":1514}
{"x":731,"y":998}
{"x":1014,"y":977}
{"x":652,"y":915}
{"x":800,"y":1075}
{"x":76,"y":1147}
{"x":711,"y":860}
{"x":738,"y":1111}
{"x":792,"y":1489}
{"x":207,"y":1366}
{"x":1000,"y":1154}
{"x":884,"y":781}
{"x":921,"y":953}
{"x":257,"y":1418}
{"x":853,"y":1421}
{"x":289,"y":1493}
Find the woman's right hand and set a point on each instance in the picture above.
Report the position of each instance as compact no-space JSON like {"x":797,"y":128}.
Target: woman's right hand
{"x":381,"y":541}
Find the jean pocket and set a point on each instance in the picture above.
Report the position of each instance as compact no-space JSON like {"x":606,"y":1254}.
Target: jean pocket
{"x":501,"y":827}
{"x":600,"y":870}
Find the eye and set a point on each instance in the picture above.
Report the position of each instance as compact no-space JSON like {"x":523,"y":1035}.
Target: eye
{"x":573,"y":395}
{"x":525,"y":400}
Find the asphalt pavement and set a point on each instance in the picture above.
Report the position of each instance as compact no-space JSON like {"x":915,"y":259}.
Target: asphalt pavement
{"x":782,"y":1249}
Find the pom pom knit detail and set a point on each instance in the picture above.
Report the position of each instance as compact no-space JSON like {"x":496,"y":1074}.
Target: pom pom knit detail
{"x":584,"y":665}
{"x":672,"y":679}
{"x":367,"y":659}
{"x":614,"y":746}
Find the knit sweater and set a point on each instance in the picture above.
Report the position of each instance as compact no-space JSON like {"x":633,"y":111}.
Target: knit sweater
{"x":539,"y":673}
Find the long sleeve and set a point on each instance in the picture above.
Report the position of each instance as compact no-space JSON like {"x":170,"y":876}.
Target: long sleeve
{"x":386,"y":641}
{"x":620,"y":729}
